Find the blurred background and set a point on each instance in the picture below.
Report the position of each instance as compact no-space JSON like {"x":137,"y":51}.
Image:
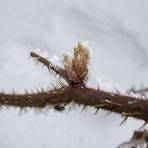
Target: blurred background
{"x":118,"y":35}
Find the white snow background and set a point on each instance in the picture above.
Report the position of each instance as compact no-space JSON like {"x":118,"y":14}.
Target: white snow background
{"x":118,"y":34}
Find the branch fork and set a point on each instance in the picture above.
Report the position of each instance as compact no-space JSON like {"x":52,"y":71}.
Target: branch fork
{"x":75,"y":73}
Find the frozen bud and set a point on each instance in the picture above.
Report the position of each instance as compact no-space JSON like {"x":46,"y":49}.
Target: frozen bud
{"x":85,"y":44}
{"x":77,"y":67}
{"x":44,"y":54}
{"x":81,"y":59}
{"x":68,"y":64}
{"x":55,"y":60}
{"x":88,"y":47}
{"x":38,"y":50}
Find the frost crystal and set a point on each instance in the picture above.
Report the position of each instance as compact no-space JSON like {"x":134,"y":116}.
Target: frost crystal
{"x":85,"y":43}
{"x":42,"y":53}
{"x":134,"y":95}
{"x":87,"y":47}
{"x":106,"y":86}
{"x":55,"y":60}
{"x":38,"y":50}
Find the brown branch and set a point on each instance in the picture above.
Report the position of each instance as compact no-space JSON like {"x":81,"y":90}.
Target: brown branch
{"x":124,"y":105}
{"x":76,"y":92}
{"x":59,"y":71}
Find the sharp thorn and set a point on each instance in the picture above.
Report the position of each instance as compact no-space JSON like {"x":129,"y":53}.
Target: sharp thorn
{"x":143,"y":125}
{"x":26,"y":92}
{"x":42,"y":65}
{"x":108,"y":113}
{"x":32,"y":91}
{"x":97,"y":109}
{"x":117,"y":91}
{"x":37,"y":90}
{"x":98,"y":88}
{"x":83,"y":108}
{"x":42,"y":90}
{"x":124,"y":120}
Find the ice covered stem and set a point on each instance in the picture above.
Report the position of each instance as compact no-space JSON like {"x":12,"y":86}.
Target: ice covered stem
{"x":75,"y":72}
{"x":138,"y":140}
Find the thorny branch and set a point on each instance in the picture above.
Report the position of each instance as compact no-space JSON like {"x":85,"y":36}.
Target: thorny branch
{"x":75,"y":72}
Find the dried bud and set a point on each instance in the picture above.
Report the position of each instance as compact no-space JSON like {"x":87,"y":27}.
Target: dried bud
{"x":81,"y":59}
{"x":77,"y":67}
{"x":68,"y":64}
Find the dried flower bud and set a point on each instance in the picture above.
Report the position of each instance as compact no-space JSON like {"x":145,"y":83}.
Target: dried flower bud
{"x":81,"y":59}
{"x":68,"y":64}
{"x":77,"y":67}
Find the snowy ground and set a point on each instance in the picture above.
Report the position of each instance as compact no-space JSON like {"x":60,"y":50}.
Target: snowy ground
{"x":118,"y":33}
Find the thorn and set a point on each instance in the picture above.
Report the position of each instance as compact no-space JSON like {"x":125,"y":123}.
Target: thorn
{"x":97,"y":109}
{"x":113,"y":103}
{"x":62,"y":84}
{"x":26,"y":92}
{"x":42,"y":65}
{"x":32,"y":92}
{"x":83,"y":108}
{"x":98,"y":88}
{"x":117,"y":91}
{"x":143,"y":125}
{"x":124,"y":120}
{"x":54,"y":86}
{"x":108,"y":113}
{"x":37,"y":90}
{"x":42,"y":90}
